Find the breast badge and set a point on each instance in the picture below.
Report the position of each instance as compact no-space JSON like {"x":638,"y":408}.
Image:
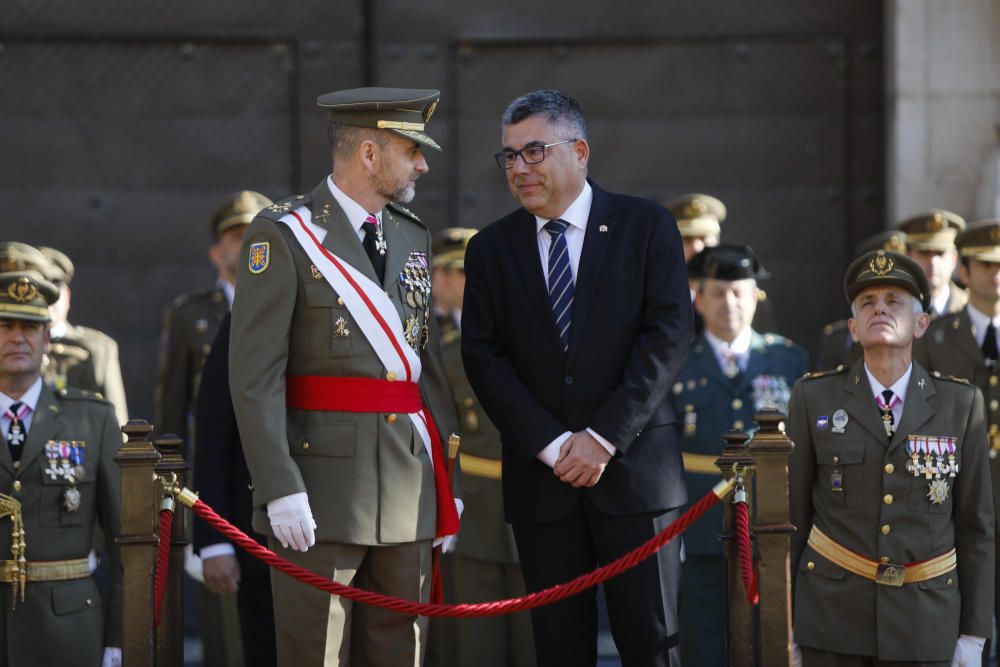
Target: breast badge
{"x":260,"y":257}
{"x":840,"y":420}
{"x":65,"y":459}
{"x":933,"y":458}
{"x":340,"y":329}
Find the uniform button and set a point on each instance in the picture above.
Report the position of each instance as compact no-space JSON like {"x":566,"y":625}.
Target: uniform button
{"x":568,"y":379}
{"x":810,"y":565}
{"x":949,"y":581}
{"x":884,"y":559}
{"x":88,"y":602}
{"x":340,"y":301}
{"x":251,"y":488}
{"x":205,"y":349}
{"x":17,"y":485}
{"x":390,"y":376}
{"x":737,"y":404}
{"x":889,"y":468}
{"x":469,"y":402}
{"x":887,"y":499}
{"x":390,"y":419}
{"x":305,"y":445}
{"x":836,"y":459}
{"x":738,"y":425}
{"x":886,"y":529}
{"x":994,"y":380}
{"x":678,"y":387}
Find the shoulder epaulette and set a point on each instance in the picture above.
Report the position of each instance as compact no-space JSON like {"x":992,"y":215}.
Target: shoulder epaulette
{"x":772,"y":339}
{"x":952,"y":378}
{"x":82,"y":394}
{"x":819,"y":374}
{"x":283,"y":207}
{"x":402,"y":210}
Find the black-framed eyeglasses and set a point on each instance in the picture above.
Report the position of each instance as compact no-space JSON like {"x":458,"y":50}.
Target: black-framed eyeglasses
{"x":530,"y":154}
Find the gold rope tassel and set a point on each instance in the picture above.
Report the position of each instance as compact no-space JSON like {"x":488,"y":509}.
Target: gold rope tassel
{"x":12,"y":507}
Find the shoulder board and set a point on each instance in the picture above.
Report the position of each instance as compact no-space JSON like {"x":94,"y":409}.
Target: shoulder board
{"x":834,"y":327}
{"x":775,"y":340}
{"x":951,"y":378}
{"x":820,"y":374}
{"x":82,"y":394}
{"x":402,"y":210}
{"x":283,"y":207}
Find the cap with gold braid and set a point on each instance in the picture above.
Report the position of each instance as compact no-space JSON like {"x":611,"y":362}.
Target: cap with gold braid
{"x":17,"y":256}
{"x":981,"y":241}
{"x":881,"y":268}
{"x":24,"y":295}
{"x":934,"y":230}
{"x":61,"y":269}
{"x":405,"y":111}
{"x":698,"y":214}
{"x":894,"y":241}
{"x":238,"y":209}
{"x":448,"y":249}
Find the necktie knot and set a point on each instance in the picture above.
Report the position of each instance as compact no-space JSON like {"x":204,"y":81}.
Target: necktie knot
{"x":556,"y":227}
{"x":17,"y":410}
{"x":370,"y":224}
{"x":374,"y":244}
{"x":887,"y":397}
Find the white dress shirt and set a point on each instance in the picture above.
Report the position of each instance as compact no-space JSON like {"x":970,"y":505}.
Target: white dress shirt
{"x":576,"y":216}
{"x":355,"y":212}
{"x":739,"y":348}
{"x":981,"y":322}
{"x":29,"y":398}
{"x":939,"y":303}
{"x":898,"y":389}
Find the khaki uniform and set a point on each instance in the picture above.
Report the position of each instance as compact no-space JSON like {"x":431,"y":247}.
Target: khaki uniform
{"x":856,"y":489}
{"x":368,"y":477}
{"x":63,"y":622}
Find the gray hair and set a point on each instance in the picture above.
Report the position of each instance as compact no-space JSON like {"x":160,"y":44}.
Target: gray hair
{"x":554,"y":106}
{"x":918,"y":307}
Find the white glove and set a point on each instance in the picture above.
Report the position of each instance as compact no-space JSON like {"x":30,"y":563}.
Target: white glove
{"x":796,"y":655}
{"x":292,"y":521}
{"x":448,"y":542}
{"x":968,"y":651}
{"x":112,"y":657}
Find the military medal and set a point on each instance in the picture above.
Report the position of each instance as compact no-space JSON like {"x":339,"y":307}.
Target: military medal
{"x":690,"y":420}
{"x":71,"y":498}
{"x":770,"y":391}
{"x":413,"y":331}
{"x":837,"y":481}
{"x":840,"y":420}
{"x":340,"y":329}
{"x":52,"y":454}
{"x":938,"y":492}
{"x":76,"y":456}
{"x":380,"y":244}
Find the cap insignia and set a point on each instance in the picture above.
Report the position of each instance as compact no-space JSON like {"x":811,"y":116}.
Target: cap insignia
{"x":430,"y":110}
{"x":881,"y":263}
{"x":22,"y":290}
{"x":937,"y":222}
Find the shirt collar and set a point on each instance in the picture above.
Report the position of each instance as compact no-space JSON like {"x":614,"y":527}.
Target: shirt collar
{"x":29,"y":398}
{"x":939,"y":304}
{"x":980,"y":320}
{"x":355,"y":212}
{"x":228,"y":289}
{"x":577,"y":214}
{"x":898,"y":388}
{"x":740,"y":345}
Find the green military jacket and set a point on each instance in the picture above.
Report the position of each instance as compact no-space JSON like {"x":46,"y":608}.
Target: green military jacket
{"x":189,"y":328}
{"x":368,"y":475}
{"x":855,"y":487}
{"x":63,"y":622}
{"x":485,"y":535}
{"x":87,"y":359}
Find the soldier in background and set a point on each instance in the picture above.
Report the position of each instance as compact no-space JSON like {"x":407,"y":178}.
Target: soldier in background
{"x":964,"y":344}
{"x":836,"y":347}
{"x":930,"y":241}
{"x":58,"y":475}
{"x":483,"y":565}
{"x":190,"y":326}
{"x":732,"y":372}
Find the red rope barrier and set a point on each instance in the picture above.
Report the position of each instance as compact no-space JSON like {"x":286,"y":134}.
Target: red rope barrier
{"x":162,"y":562}
{"x":746,"y":556}
{"x":496,"y":608}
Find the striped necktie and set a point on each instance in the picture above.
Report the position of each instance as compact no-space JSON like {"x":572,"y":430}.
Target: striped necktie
{"x":16,"y":431}
{"x":560,"y":278}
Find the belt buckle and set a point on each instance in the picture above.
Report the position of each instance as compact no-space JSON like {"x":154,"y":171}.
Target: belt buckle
{"x":890,"y":574}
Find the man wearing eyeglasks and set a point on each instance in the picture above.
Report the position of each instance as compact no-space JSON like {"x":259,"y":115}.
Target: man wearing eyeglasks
{"x":576,"y":319}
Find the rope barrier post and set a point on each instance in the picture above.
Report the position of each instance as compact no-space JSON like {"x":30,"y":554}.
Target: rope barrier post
{"x":170,"y":633}
{"x":740,"y":623}
{"x":137,"y":537}
{"x":771,"y":448}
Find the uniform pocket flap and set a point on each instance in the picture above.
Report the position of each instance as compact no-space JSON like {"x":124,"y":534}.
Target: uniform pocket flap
{"x":812,"y":563}
{"x":840,"y":453}
{"x":320,"y":294}
{"x":70,"y":597}
{"x":326,"y":435}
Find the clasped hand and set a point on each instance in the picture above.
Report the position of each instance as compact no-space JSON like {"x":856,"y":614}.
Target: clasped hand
{"x":581,"y":461}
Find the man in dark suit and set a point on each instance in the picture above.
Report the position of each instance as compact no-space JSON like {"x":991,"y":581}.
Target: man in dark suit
{"x":576,"y":319}
{"x":224,"y":484}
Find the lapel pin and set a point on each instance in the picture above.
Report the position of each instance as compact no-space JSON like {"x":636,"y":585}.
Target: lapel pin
{"x":857,"y":379}
{"x":602,"y":228}
{"x":920,"y":383}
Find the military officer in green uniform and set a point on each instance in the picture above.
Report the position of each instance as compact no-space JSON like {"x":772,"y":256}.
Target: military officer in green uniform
{"x":964,"y":344}
{"x":732,"y":372}
{"x":893,"y":556}
{"x":58,"y":481}
{"x":930,"y":241}
{"x":189,"y":328}
{"x":338,"y":388}
{"x":448,"y":276}
{"x":483,"y":565}
{"x":836,"y":347}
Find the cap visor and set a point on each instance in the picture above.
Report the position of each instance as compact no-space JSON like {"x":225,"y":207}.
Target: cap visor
{"x":419,"y":137}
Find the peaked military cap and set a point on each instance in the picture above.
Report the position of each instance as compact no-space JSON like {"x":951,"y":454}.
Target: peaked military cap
{"x":883,"y":268}
{"x":17,"y":256}
{"x":980,"y":240}
{"x":727,"y":261}
{"x":448,"y":249}
{"x":405,"y":111}
{"x":893,"y":240}
{"x":238,"y":209}
{"x":698,"y":215}
{"x":933,"y":230}
{"x":61,"y":269}
{"x":24,"y":295}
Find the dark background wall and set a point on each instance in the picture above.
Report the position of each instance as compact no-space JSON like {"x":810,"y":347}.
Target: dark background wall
{"x":125,"y":123}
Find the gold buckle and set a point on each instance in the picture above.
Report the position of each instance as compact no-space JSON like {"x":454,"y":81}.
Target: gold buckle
{"x":890,"y":574}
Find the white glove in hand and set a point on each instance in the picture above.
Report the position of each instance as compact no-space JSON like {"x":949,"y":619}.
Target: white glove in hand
{"x":112,"y":657}
{"x":796,"y":655}
{"x":968,"y":651}
{"x":292,"y":521}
